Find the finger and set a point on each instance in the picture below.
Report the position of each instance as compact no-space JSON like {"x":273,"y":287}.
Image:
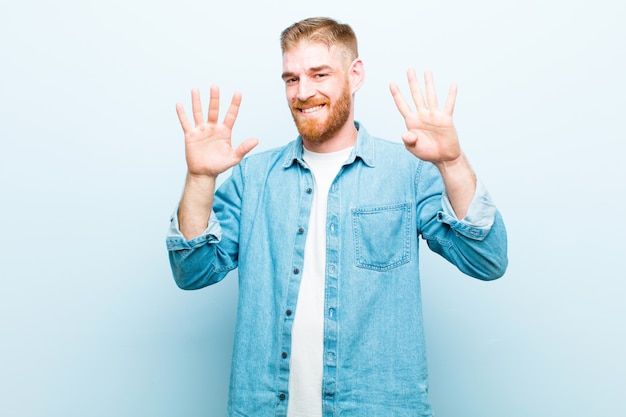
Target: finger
{"x":416,"y":91}
{"x":233,"y":111}
{"x":246,"y":147}
{"x":410,"y":139}
{"x":401,"y":103}
{"x":431,"y":92}
{"x":214,"y":105}
{"x":451,"y":100}
{"x":196,"y":106}
{"x":182,"y":117}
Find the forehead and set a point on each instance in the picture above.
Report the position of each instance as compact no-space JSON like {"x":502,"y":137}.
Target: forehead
{"x":306,"y":55}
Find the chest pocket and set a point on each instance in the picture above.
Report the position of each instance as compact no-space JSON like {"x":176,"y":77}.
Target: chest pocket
{"x":382,"y":236}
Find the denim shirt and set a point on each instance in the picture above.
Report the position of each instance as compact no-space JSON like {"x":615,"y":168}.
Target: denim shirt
{"x":379,"y":204}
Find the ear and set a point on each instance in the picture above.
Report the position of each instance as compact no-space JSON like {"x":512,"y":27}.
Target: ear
{"x":356,"y":75}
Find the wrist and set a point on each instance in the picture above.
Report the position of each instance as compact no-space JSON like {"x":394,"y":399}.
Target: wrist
{"x":201,"y":182}
{"x":201,"y":178}
{"x":459,"y":163}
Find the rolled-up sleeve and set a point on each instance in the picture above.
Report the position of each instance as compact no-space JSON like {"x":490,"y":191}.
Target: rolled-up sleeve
{"x":176,"y":241}
{"x":477,"y":243}
{"x":200,"y":261}
{"x":479,"y":218}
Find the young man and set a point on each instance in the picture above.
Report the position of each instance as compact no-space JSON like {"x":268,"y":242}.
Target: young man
{"x":325,"y":232}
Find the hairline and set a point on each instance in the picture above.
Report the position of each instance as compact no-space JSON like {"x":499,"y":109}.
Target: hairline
{"x":345,"y":53}
{"x":324,"y":31}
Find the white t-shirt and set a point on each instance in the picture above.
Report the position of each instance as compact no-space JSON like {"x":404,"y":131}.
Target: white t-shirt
{"x":307,"y":342}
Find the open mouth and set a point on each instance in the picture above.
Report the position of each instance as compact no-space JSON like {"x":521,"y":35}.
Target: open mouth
{"x":308,"y":107}
{"x":311,"y":109}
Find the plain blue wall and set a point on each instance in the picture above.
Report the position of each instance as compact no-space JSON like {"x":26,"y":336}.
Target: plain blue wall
{"x":92,"y":165}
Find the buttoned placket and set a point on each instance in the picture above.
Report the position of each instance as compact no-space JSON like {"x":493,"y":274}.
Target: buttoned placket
{"x":329,"y":383}
{"x":304,"y":212}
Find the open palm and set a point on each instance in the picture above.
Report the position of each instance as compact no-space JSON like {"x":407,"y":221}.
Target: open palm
{"x":430,"y":135}
{"x":208,"y":145}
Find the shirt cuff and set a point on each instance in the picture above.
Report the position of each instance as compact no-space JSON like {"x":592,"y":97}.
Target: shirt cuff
{"x":480,"y":214}
{"x":176,"y":241}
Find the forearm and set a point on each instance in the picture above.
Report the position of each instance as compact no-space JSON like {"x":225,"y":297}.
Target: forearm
{"x":460,"y":183}
{"x":196,"y":205}
{"x":477,"y":243}
{"x":478,"y":252}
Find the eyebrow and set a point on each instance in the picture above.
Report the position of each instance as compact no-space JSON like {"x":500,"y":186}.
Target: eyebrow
{"x":289,"y":74}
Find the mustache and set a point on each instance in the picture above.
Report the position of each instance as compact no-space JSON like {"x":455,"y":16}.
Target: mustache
{"x":296,"y":105}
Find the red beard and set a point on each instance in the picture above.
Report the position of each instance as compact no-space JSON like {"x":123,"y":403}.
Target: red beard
{"x":316,"y":130}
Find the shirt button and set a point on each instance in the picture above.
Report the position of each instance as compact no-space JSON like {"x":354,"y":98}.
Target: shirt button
{"x":331,"y":269}
{"x":309,"y":190}
{"x":300,"y":230}
{"x":282,"y":397}
{"x":284,"y":355}
{"x":288,"y":313}
{"x":296,"y":271}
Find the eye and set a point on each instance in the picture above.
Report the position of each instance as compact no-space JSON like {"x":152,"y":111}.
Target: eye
{"x":290,"y":80}
{"x":321,"y":75}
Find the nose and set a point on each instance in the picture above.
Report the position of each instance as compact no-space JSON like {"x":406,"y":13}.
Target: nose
{"x":306,"y":89}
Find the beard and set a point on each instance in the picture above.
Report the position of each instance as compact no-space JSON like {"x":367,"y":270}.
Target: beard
{"x":316,"y":130}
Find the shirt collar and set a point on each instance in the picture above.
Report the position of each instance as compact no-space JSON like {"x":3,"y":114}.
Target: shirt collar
{"x":363,"y":149}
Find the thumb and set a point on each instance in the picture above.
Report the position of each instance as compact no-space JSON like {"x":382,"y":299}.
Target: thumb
{"x":245,"y":147}
{"x":409,"y":138}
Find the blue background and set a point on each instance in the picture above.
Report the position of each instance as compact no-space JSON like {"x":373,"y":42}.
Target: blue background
{"x":92,"y":166}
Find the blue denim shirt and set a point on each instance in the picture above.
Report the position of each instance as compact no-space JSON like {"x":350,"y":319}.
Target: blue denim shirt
{"x":379,"y":204}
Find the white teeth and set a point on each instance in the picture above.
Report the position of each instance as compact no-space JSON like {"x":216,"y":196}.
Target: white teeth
{"x":311,"y":110}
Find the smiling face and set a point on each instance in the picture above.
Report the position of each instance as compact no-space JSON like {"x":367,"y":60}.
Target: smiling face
{"x":319,"y":89}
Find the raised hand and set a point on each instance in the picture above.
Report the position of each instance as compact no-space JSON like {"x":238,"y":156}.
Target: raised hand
{"x":208,"y":145}
{"x":209,"y":152}
{"x":430,"y":134}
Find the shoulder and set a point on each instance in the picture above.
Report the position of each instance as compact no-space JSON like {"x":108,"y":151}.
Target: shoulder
{"x":376,"y":150}
{"x":392,"y":156}
{"x":390,"y":152}
{"x":268,"y":158}
{"x":387,"y":144}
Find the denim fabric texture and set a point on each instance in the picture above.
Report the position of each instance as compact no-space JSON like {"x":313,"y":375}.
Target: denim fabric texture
{"x":380,"y":203}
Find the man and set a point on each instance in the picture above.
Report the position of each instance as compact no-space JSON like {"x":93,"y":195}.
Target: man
{"x":324,"y":232}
